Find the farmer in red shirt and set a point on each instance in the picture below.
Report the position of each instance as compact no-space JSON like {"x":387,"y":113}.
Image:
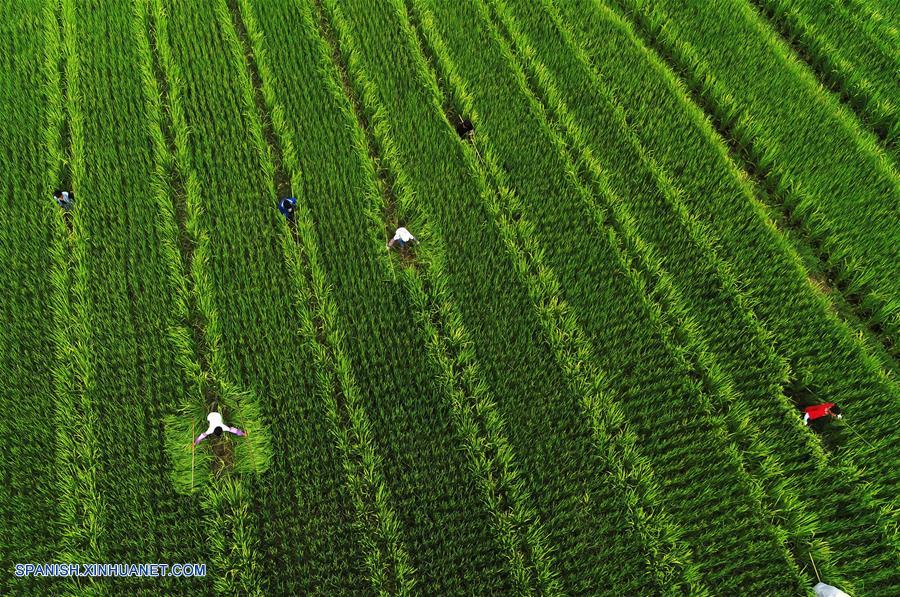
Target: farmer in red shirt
{"x":818,"y":411}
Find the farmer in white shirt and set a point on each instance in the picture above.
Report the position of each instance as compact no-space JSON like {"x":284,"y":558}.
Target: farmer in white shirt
{"x":402,"y":237}
{"x":216,"y":426}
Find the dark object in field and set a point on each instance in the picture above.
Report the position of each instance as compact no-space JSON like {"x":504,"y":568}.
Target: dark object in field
{"x":286,"y":207}
{"x":64,"y":199}
{"x":464,"y":129}
{"x":821,"y":411}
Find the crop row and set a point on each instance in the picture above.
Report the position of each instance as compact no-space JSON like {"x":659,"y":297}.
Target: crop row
{"x":568,"y":250}
{"x":79,"y":521}
{"x":847,"y":490}
{"x":385,"y":557}
{"x":445,"y":525}
{"x":28,"y":509}
{"x":122,"y":290}
{"x":303,"y":502}
{"x":775,"y":443}
{"x":854,"y":54}
{"x":827,"y":362}
{"x":829,"y":176}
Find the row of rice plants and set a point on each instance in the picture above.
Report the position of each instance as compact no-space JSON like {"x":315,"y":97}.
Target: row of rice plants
{"x":853,"y":54}
{"x":828,"y":363}
{"x":29,"y":505}
{"x":384,"y":559}
{"x":725,"y":324}
{"x":477,"y":424}
{"x":134,"y":381}
{"x":532,"y":392}
{"x":568,"y":249}
{"x":885,"y":12}
{"x":444,"y":523}
{"x":234,"y":350}
{"x":80,"y":507}
{"x":829,"y":175}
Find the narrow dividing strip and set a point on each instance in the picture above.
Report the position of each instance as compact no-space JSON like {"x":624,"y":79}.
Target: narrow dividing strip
{"x":386,"y":556}
{"x":81,"y":507}
{"x":28,"y":465}
{"x":632,"y":472}
{"x":198,"y":335}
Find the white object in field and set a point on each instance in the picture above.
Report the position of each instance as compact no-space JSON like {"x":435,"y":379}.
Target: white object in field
{"x":403,"y":235}
{"x":215,"y":420}
{"x":823,"y":590}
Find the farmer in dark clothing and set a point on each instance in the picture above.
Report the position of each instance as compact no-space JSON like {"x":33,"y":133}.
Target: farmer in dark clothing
{"x":286,"y":206}
{"x":64,"y":199}
{"x":464,"y":129}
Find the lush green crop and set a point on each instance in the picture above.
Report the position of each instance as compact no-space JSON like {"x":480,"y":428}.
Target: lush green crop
{"x":584,"y":379}
{"x":827,"y":173}
{"x":855,"y":54}
{"x":27,"y":349}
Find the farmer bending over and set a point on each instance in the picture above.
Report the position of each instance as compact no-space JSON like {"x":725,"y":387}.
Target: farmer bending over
{"x":286,"y":207}
{"x":820,"y":411}
{"x":216,"y":426}
{"x":402,"y":237}
{"x":464,"y":129}
{"x":64,"y":198}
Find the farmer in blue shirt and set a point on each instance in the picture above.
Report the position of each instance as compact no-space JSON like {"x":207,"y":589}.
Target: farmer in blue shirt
{"x":64,"y":199}
{"x":286,"y":207}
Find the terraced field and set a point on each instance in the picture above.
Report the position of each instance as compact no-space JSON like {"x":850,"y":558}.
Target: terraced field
{"x":675,"y":225}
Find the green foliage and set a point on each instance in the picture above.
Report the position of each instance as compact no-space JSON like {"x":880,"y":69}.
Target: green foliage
{"x":830,"y":177}
{"x":584,"y":378}
{"x":855,"y":54}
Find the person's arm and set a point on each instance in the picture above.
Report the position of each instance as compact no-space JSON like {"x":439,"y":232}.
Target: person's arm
{"x":201,"y":437}
{"x":391,"y":242}
{"x":235,"y":431}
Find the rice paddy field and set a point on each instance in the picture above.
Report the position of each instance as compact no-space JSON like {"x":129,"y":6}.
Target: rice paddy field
{"x":676,"y":224}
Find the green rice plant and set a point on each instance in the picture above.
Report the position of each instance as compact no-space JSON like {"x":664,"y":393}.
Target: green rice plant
{"x":235,"y":559}
{"x":80,"y":519}
{"x":830,"y":177}
{"x":28,"y":357}
{"x":828,"y":363}
{"x":854,"y":55}
{"x":531,"y":177}
{"x":883,"y":14}
{"x":848,"y":491}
